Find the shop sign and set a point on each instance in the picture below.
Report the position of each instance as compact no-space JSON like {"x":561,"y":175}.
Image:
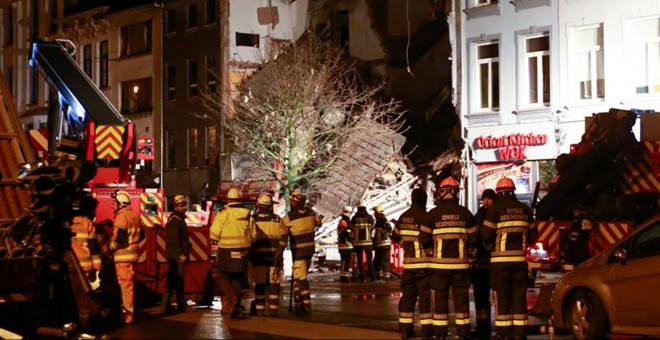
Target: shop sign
{"x":512,"y":146}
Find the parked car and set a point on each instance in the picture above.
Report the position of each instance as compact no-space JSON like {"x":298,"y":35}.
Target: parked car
{"x":617,"y":291}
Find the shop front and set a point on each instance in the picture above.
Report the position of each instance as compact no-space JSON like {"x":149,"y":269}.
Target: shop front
{"x":521,"y":152}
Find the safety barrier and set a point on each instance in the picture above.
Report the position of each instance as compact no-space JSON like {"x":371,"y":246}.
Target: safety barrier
{"x":608,"y":233}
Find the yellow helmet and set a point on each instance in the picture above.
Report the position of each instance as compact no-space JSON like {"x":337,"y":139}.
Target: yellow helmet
{"x":379,"y":209}
{"x":122,"y":197}
{"x":264,"y":200}
{"x":234,"y":193}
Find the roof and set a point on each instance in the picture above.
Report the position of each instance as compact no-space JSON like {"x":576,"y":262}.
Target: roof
{"x":349,"y":177}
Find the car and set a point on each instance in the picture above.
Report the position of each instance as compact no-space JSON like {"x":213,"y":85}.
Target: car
{"x":616,"y":291}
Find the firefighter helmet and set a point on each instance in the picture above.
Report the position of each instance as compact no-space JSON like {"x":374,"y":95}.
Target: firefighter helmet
{"x":448,"y":183}
{"x":264,"y":200}
{"x":234,"y":193}
{"x":505,"y":184}
{"x":180,"y":200}
{"x":379,"y":209}
{"x":347,"y":210}
{"x":122,"y":197}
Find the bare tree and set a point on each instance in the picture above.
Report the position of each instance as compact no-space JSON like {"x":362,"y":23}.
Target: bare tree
{"x":302,"y":109}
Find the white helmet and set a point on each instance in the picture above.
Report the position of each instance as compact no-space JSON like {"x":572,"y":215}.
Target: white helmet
{"x":122,"y":197}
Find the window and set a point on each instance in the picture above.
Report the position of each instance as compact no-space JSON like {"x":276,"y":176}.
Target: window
{"x":136,"y":39}
{"x":192,"y":16}
{"x":211,"y":81}
{"x":211,"y":14}
{"x":192,"y":147}
{"x":170,"y":21}
{"x":587,"y":63}
{"x":136,"y":96}
{"x":170,"y":153}
{"x":87,"y":60}
{"x":535,"y":82}
{"x":211,"y":147}
{"x":645,"y":243}
{"x":487,"y":82}
{"x":645,"y":55}
{"x":477,"y":3}
{"x":246,"y":39}
{"x":8,"y":24}
{"x":53,"y":15}
{"x":103,"y":64}
{"x":34,"y":86}
{"x":171,"y":82}
{"x":192,"y":78}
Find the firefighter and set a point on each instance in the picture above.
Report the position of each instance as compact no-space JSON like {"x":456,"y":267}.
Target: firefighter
{"x":177,"y":254}
{"x":480,"y":272}
{"x":414,"y":237}
{"x":382,"y":244}
{"x":127,"y":234}
{"x":344,"y":243}
{"x":231,"y":230}
{"x":508,"y":228}
{"x":301,"y":223}
{"x":85,"y":245}
{"x":579,"y":236}
{"x":362,"y":224}
{"x":268,"y":242}
{"x":455,"y":233}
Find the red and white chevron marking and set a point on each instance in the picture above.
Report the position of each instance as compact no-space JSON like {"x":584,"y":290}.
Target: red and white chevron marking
{"x":643,"y":176}
{"x":16,"y":297}
{"x":199,"y":245}
{"x":548,"y":232}
{"x":608,"y":233}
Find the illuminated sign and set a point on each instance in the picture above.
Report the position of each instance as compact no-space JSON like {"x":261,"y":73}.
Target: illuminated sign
{"x":512,"y":146}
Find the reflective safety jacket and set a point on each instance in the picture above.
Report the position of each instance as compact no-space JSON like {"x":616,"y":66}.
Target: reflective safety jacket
{"x":126,"y":235}
{"x":382,"y":230}
{"x":301,"y":226}
{"x":455,"y":232}
{"x":362,"y":224}
{"x":231,"y":228}
{"x":268,"y":237}
{"x":414,"y":237}
{"x":344,"y":234}
{"x":85,"y":245}
{"x":509,"y":229}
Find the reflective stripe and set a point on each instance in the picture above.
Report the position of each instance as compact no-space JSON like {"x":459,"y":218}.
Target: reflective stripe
{"x":503,"y":242}
{"x":409,"y":232}
{"x":405,"y":320}
{"x":519,"y":322}
{"x":489,"y":224}
{"x":449,"y":231}
{"x":425,"y":322}
{"x":503,"y":323}
{"x":517,"y":223}
{"x":405,"y":315}
{"x":450,"y":265}
{"x":305,"y":244}
{"x":461,"y":247}
{"x":425,"y":315}
{"x":440,"y":322}
{"x":463,"y":321}
{"x":423,"y":265}
{"x":473,"y":230}
{"x":439,"y":249}
{"x":508,"y":259}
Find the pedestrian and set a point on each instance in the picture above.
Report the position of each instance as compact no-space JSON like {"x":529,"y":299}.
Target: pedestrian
{"x":362,"y":224}
{"x":127,"y":234}
{"x":480,"y":272}
{"x":508,"y":228}
{"x":301,"y":223}
{"x":268,"y":243}
{"x":231,"y":231}
{"x":345,"y":243}
{"x":382,"y":244}
{"x":414,"y":237}
{"x":455,"y":232}
{"x":84,"y":243}
{"x":177,"y":254}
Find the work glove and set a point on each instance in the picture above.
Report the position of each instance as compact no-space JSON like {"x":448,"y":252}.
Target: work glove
{"x":183,"y":258}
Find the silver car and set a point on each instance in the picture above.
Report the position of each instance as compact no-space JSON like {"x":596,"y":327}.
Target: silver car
{"x":617,"y":291}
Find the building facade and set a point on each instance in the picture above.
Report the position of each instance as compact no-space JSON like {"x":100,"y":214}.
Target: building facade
{"x":528,"y":72}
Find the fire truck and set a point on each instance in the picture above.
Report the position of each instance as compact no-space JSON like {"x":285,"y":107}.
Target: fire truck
{"x":610,"y":173}
{"x":108,"y":141}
